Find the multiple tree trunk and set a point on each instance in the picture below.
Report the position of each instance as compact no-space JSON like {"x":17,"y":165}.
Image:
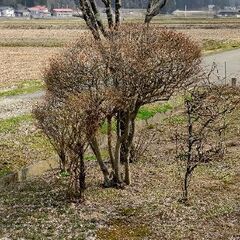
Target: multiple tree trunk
{"x":91,"y":15}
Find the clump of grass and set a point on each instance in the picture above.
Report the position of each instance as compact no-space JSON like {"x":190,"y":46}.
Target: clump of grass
{"x":103,"y":128}
{"x":121,"y":230}
{"x":129,"y":211}
{"x":147,"y":112}
{"x":214,"y":45}
{"x":25,"y":87}
{"x":4,"y":171}
{"x":173,"y":120}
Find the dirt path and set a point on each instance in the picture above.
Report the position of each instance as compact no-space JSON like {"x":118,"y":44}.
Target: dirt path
{"x":17,"y":105}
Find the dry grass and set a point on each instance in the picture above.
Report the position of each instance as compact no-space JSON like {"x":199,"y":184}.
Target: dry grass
{"x":213,"y":34}
{"x":38,"y":37}
{"x":73,"y":23}
{"x":146,"y":210}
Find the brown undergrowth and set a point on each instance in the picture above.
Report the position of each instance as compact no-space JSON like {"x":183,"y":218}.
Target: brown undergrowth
{"x":148,"y":209}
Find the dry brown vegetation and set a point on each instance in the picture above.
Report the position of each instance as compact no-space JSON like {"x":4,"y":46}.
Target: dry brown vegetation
{"x":213,"y":34}
{"x":146,"y":210}
{"x":38,"y":37}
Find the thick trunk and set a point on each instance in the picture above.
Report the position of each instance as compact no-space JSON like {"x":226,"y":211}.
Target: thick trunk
{"x":117,"y":167}
{"x":153,"y":9}
{"x":127,"y":127}
{"x":127,"y":172}
{"x":109,"y":134}
{"x":62,"y":157}
{"x":185,"y":187}
{"x":97,"y":17}
{"x":103,"y":167}
{"x":89,"y":18}
{"x":118,"y":5}
{"x":82,"y":175}
{"x":107,"y":4}
{"x":126,"y":134}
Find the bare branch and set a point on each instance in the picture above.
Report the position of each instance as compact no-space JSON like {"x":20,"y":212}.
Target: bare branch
{"x":153,"y":9}
{"x":118,"y":5}
{"x":108,"y":7}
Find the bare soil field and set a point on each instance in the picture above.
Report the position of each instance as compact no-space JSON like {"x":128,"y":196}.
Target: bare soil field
{"x":25,"y":63}
{"x":38,"y":37}
{"x":25,"y":52}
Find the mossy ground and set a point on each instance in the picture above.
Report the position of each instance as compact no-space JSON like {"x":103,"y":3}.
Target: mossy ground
{"x":21,"y":143}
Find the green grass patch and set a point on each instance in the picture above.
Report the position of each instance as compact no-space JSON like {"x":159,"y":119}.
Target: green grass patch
{"x":38,"y":141}
{"x":176,"y":120}
{"x":32,"y":43}
{"x":11,"y":124}
{"x":4,"y":171}
{"x":147,"y":112}
{"x":92,"y":157}
{"x":25,"y":87}
{"x":104,"y":126}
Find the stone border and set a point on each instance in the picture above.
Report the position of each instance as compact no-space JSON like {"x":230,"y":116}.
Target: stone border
{"x":28,"y":172}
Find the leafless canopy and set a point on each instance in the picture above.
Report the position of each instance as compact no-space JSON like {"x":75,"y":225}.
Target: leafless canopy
{"x":201,"y":139}
{"x":135,"y":68}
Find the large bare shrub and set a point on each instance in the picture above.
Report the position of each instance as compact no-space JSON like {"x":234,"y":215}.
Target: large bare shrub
{"x":134,"y":68}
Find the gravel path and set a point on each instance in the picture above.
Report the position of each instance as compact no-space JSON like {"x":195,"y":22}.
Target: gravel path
{"x":22,"y":104}
{"x":13,"y":106}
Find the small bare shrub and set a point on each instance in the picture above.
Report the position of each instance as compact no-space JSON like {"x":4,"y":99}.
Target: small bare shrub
{"x":201,"y":139}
